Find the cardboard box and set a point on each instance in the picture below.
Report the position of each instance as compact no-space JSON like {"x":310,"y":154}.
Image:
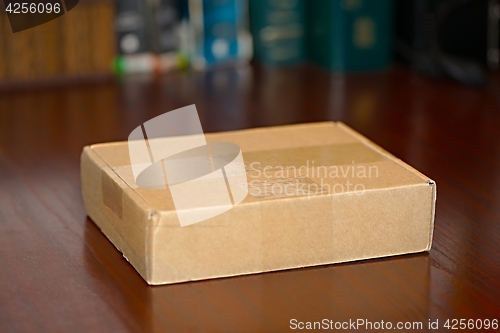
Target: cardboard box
{"x":317,"y":194}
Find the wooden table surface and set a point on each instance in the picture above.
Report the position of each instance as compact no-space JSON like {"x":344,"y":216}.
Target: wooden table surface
{"x":58,"y":272}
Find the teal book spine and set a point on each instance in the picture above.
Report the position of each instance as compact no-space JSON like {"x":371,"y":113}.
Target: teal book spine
{"x":350,"y":35}
{"x":278,"y":29}
{"x":219,"y":33}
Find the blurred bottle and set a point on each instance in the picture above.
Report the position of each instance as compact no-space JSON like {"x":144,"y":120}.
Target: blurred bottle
{"x":134,"y":29}
{"x":278,"y":28}
{"x":171,"y":35}
{"x":350,"y":35}
{"x":218,"y":33}
{"x":149,"y":36}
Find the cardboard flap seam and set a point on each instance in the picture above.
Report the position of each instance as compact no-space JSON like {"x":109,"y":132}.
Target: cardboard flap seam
{"x":280,"y":127}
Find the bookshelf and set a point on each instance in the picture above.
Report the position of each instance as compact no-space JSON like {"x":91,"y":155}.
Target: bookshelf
{"x":78,"y":46}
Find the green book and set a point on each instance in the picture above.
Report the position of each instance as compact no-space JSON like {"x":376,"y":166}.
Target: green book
{"x":278,"y":29}
{"x":350,"y":35}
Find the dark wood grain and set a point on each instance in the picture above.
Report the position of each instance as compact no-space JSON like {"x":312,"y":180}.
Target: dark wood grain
{"x":58,"y":272}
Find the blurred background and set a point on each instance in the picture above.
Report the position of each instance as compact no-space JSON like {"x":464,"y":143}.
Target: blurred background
{"x":418,"y":77}
{"x":101,"y":39}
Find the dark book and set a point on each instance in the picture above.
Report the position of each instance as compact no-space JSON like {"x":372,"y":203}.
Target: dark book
{"x":461,"y":29}
{"x":278,"y":29}
{"x":449,"y":38}
{"x":350,"y":35}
